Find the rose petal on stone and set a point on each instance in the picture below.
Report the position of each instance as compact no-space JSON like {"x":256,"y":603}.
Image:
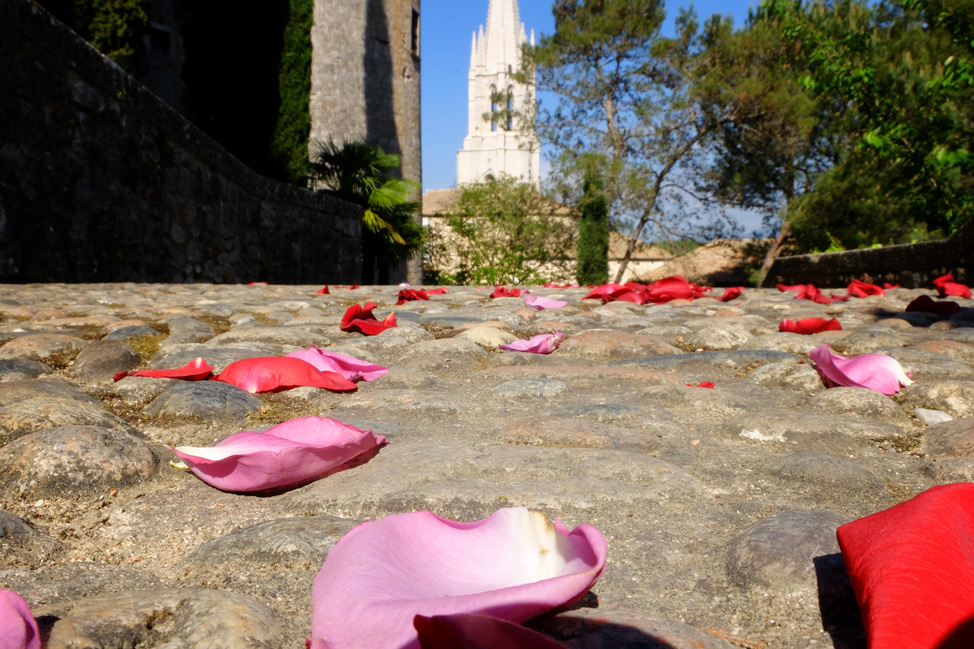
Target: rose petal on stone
{"x":947,"y":286}
{"x":437,"y":291}
{"x":359,"y":318}
{"x":290,"y":454}
{"x":512,"y":565}
{"x":704,"y":384}
{"x":927,"y":304}
{"x":606,"y":292}
{"x":411,"y":294}
{"x":859,"y":288}
{"x":275,"y":373}
{"x":193,"y":371}
{"x":18,"y":628}
{"x":542,"y":303}
{"x":472,"y":631}
{"x":731,"y":293}
{"x":675,"y":287}
{"x":806,"y":292}
{"x":809,"y":326}
{"x":503,"y":291}
{"x":877,"y":372}
{"x":324,"y":290}
{"x":349,"y":367}
{"x":912,"y":568}
{"x":540,"y":344}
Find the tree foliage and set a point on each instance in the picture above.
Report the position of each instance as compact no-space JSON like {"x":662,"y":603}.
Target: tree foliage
{"x":593,"y":233}
{"x":114,"y":27}
{"x":506,"y":232}
{"x":877,"y":106}
{"x":625,"y":108}
{"x":289,"y":144}
{"x":362,"y":174}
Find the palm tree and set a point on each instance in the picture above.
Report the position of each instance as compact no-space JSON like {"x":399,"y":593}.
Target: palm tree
{"x":360,"y":173}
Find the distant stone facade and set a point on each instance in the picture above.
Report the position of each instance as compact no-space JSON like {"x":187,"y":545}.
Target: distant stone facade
{"x":365,"y":80}
{"x":499,"y":147}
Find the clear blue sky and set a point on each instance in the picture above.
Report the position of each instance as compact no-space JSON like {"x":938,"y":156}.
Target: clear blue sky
{"x":447,"y":28}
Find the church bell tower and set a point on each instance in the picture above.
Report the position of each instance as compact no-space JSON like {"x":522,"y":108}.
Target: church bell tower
{"x":495,"y":145}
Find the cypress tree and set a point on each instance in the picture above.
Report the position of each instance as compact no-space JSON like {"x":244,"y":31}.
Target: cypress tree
{"x":593,"y":232}
{"x":289,"y":145}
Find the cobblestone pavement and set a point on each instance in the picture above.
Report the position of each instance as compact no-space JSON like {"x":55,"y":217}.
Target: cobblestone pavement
{"x":719,"y":505}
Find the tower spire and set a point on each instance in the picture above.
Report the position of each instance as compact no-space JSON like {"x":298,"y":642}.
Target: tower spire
{"x":499,"y":146}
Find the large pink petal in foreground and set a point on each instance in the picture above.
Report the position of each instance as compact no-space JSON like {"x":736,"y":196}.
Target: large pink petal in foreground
{"x":877,"y":372}
{"x":912,"y":568}
{"x":540,"y":344}
{"x":542,"y":303}
{"x":472,"y":631}
{"x":193,"y":371}
{"x":290,"y":454}
{"x":349,"y":367}
{"x":273,"y":373}
{"x":513,"y":565}
{"x":18,"y":628}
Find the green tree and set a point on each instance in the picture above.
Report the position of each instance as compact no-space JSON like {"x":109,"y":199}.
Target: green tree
{"x":362,"y":174}
{"x":593,"y":233}
{"x":624,"y":104}
{"x":289,"y":144}
{"x":114,"y":27}
{"x":506,"y":232}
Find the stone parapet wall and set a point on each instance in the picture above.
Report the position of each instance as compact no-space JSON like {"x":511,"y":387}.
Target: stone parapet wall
{"x":912,"y":265}
{"x":102,"y":181}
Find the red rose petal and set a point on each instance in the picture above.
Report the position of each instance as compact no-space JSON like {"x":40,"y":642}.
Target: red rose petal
{"x":193,"y":371}
{"x":473,"y":631}
{"x":912,"y":568}
{"x":809,"y":325}
{"x":274,"y":373}
{"x":927,"y":304}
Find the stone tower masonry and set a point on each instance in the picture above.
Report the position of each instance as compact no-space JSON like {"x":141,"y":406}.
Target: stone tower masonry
{"x":497,"y":146}
{"x":365,"y":79}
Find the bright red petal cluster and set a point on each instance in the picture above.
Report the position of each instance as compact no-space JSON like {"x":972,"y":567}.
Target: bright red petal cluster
{"x":503,"y":291}
{"x":359,"y":319}
{"x":659,"y":292}
{"x":912,"y":568}
{"x":806,"y":292}
{"x":412,"y":294}
{"x":947,"y":286}
{"x":859,"y":288}
{"x":809,"y":325}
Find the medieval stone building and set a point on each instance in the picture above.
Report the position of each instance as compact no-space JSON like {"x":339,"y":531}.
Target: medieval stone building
{"x":496,"y":143}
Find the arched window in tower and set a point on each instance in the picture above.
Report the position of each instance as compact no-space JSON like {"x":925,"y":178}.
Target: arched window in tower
{"x":493,"y":108}
{"x":510,"y":108}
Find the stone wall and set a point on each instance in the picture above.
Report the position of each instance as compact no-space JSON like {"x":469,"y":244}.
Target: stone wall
{"x":912,"y":265}
{"x":365,"y":82}
{"x":102,"y":181}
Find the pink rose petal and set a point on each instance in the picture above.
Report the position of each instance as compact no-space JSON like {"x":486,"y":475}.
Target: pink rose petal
{"x":193,"y":371}
{"x":18,"y":628}
{"x":542,"y":303}
{"x":349,"y":367}
{"x":288,"y":455}
{"x":540,"y":344}
{"x":437,"y":291}
{"x":912,"y":569}
{"x":275,"y":373}
{"x":877,"y":372}
{"x":471,"y":631}
{"x":512,"y":565}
